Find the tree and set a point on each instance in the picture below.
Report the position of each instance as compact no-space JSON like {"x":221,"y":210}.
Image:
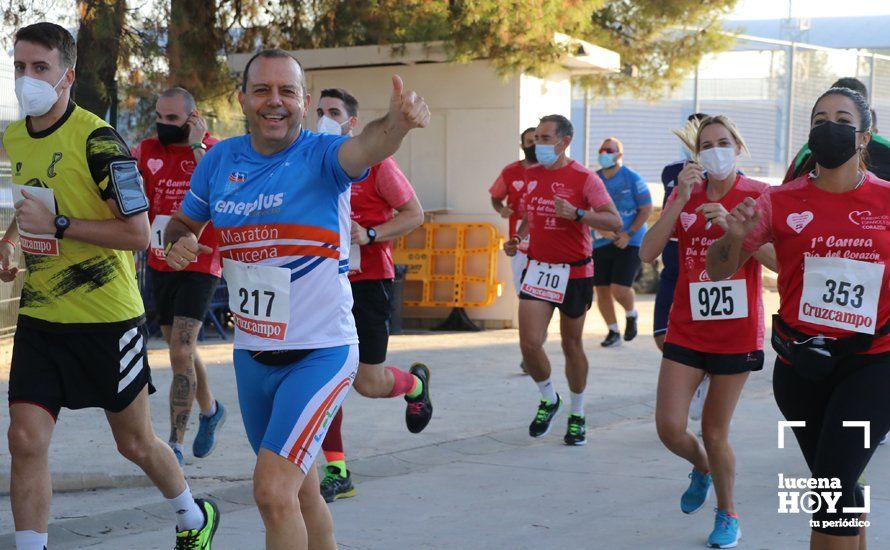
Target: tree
{"x":661,"y":42}
{"x":99,"y":37}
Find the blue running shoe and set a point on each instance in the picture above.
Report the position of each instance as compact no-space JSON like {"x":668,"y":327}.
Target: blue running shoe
{"x":177,"y":453}
{"x":697,"y":493}
{"x":205,"y":441}
{"x":726,"y":533}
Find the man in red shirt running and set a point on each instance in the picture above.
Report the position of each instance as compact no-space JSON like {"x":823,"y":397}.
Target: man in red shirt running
{"x":181,"y":298}
{"x":507,"y":191}
{"x":562,"y":201}
{"x":374,"y":200}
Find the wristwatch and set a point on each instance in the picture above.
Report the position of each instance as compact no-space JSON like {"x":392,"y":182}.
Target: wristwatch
{"x":198,"y":145}
{"x":372,"y":234}
{"x":579,"y":213}
{"x":62,"y":223}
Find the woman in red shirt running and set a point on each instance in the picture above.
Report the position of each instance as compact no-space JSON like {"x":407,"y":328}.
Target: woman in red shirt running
{"x":713,"y":328}
{"x":831,"y":230}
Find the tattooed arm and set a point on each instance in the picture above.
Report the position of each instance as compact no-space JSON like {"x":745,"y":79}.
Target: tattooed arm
{"x":726,"y":255}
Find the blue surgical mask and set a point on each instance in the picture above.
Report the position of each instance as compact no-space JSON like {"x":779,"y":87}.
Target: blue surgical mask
{"x":607,"y":160}
{"x":546,"y":154}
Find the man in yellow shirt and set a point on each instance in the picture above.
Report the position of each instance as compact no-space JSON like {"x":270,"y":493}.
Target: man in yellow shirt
{"x":80,"y":211}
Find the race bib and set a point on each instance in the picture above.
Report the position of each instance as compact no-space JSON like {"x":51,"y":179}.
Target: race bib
{"x":546,"y":281}
{"x":841,"y":293}
{"x":158,"y":226}
{"x":259,"y":297}
{"x":713,"y":301}
{"x":42,"y":245}
{"x":355,"y":257}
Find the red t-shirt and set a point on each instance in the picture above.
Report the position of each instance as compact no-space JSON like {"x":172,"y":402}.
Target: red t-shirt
{"x":553,"y":239}
{"x":803,"y":221}
{"x":510,"y":185}
{"x":166,"y":171}
{"x":373,"y":201}
{"x":701,"y":317}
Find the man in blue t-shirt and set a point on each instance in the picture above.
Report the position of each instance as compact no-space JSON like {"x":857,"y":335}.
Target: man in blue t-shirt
{"x":616,"y":258}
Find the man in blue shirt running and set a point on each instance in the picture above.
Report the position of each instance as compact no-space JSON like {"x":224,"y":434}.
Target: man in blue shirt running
{"x":616,"y":258}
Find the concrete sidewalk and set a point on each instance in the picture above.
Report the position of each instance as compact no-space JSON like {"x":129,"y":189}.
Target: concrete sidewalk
{"x":473,"y":479}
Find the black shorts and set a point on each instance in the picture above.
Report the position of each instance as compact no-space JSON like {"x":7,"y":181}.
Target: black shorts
{"x":714,"y":363}
{"x":372,"y":308}
{"x":181,"y":294}
{"x":578,"y":299}
{"x":101,"y":368}
{"x":616,"y":266}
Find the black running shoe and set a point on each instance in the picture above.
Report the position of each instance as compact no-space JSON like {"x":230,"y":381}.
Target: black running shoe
{"x":335,"y":486}
{"x":612,"y":340}
{"x":540,"y":426}
{"x":630,"y":329}
{"x":420,"y":409}
{"x":576,"y":433}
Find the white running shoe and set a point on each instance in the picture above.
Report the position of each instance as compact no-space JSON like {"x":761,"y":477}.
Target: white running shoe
{"x":698,"y":399}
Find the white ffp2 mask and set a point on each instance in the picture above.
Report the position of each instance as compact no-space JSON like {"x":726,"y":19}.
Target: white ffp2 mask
{"x":35,"y":96}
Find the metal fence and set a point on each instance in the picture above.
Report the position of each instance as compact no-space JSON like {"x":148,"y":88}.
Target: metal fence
{"x":767,"y":87}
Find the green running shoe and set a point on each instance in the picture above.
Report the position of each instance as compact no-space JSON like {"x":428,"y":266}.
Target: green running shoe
{"x":334,"y":486}
{"x":200,"y":539}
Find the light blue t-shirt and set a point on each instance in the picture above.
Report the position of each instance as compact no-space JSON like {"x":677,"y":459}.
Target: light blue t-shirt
{"x":288,"y":211}
{"x":629,"y":193}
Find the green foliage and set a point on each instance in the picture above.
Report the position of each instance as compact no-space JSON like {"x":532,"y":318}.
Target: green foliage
{"x":664,"y":41}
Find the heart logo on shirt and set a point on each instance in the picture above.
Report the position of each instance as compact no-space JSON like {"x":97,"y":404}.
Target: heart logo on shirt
{"x":857,"y":215}
{"x":187,"y":166}
{"x":531,"y":186}
{"x":517,"y":185}
{"x":154,"y":165}
{"x":686,"y":220}
{"x":798,"y":221}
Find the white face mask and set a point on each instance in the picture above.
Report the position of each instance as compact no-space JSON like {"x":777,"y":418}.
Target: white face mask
{"x":327,"y":125}
{"x":718,"y":161}
{"x":36,"y":97}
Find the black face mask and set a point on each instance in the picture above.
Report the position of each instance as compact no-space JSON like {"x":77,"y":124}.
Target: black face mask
{"x":170,"y":133}
{"x":832,"y":144}
{"x":530,"y":154}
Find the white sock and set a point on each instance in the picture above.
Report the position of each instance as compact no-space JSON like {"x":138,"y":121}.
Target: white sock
{"x":188,"y":515}
{"x":175,"y":446}
{"x":212,"y":410}
{"x":614,"y":327}
{"x":632,"y":313}
{"x":547,"y":391}
{"x":577,"y":404}
{"x":30,"y":540}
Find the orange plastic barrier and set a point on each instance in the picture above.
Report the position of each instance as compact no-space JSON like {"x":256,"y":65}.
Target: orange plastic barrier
{"x":450,"y":264}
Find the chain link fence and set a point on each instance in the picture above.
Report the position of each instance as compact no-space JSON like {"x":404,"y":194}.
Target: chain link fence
{"x":767,"y":87}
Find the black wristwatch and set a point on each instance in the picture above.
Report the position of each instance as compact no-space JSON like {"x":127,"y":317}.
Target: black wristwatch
{"x":372,"y":234}
{"x":579,"y":213}
{"x":62,"y":223}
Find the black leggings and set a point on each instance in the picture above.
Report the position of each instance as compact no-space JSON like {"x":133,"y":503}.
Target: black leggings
{"x":857,"y":390}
